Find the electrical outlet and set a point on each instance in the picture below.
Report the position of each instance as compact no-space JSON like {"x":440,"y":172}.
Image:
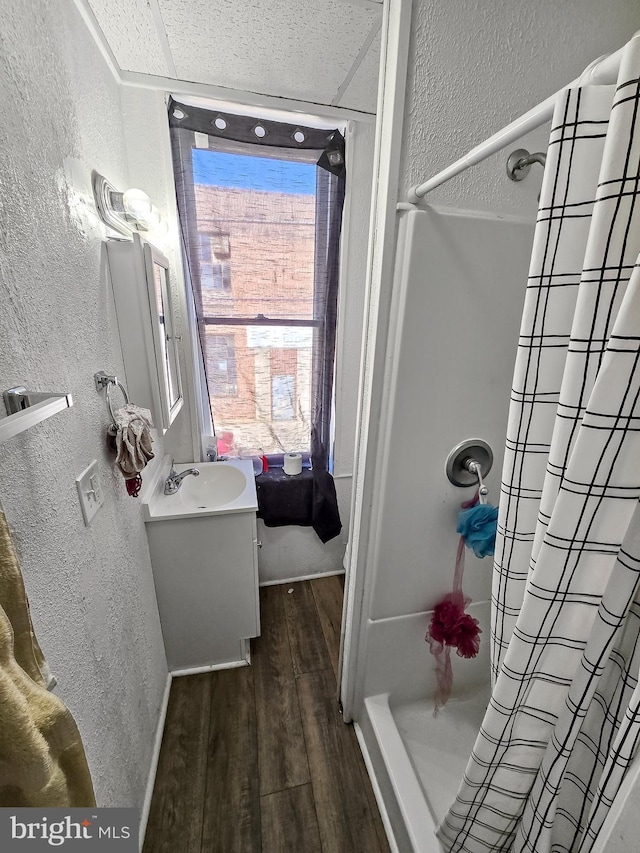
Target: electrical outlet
{"x":90,"y":491}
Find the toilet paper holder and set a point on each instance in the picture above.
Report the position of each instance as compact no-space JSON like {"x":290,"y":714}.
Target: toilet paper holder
{"x":468,"y":463}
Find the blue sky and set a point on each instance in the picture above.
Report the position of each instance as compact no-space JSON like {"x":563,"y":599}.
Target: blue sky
{"x":216,"y":168}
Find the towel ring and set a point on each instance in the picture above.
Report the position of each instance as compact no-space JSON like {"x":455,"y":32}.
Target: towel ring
{"x":103,"y":380}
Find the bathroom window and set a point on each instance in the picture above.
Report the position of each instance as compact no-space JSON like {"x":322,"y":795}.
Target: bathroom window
{"x":261,"y":224}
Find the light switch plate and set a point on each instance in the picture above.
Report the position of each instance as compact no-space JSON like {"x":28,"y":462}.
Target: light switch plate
{"x":90,"y":491}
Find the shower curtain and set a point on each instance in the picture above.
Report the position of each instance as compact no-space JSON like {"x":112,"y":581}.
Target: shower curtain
{"x":563,"y":721}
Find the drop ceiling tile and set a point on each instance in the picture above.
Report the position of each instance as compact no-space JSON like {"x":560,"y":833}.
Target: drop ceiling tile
{"x":131,"y":34}
{"x":362,"y":91}
{"x":276,"y":47}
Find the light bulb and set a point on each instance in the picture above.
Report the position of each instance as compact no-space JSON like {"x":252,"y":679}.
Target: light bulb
{"x":137,"y":204}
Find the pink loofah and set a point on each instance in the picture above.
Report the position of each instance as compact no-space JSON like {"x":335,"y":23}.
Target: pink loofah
{"x":468,"y":637}
{"x":452,"y":627}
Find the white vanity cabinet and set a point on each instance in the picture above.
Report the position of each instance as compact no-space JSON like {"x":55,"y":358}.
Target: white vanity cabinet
{"x":206,"y":576}
{"x":142,"y":293}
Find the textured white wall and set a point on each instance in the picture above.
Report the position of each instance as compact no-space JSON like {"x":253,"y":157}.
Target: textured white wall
{"x":91,"y":589}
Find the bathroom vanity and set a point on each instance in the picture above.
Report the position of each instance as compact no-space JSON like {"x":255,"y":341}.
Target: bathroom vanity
{"x":203,"y":544}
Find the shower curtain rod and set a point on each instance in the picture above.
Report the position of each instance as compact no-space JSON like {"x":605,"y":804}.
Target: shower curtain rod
{"x":601,"y":71}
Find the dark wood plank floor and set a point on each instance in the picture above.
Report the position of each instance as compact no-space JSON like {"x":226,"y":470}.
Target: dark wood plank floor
{"x":257,"y":759}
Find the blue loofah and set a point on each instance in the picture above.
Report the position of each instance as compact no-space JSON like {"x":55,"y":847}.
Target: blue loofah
{"x":478,"y":526}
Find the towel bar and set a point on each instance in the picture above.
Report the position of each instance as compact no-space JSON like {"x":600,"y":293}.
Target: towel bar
{"x":27,"y":408}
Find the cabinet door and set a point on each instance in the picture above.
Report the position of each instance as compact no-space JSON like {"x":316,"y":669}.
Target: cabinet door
{"x":165,"y":342}
{"x":206,"y":586}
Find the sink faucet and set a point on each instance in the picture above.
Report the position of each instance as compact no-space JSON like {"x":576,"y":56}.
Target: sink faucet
{"x":174,"y":480}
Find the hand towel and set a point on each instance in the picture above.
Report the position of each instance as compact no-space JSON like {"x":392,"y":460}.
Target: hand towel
{"x":42,"y":759}
{"x":13,"y":600}
{"x":133,"y":439}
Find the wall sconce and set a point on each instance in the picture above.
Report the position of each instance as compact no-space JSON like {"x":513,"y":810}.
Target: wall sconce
{"x":125,"y":212}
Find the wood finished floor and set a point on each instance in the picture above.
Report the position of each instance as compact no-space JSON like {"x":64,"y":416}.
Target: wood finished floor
{"x":257,"y":759}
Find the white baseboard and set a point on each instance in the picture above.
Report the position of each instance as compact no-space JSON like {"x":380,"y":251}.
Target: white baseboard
{"x":146,"y":805}
{"x":303,"y":578}
{"x":376,"y":790}
{"x":197,"y":670}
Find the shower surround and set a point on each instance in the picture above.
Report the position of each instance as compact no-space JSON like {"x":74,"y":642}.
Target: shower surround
{"x":458,"y":293}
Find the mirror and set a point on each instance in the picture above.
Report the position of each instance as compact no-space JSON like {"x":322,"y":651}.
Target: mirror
{"x":165,"y":341}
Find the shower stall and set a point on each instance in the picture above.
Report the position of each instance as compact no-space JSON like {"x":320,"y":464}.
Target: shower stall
{"x":438,"y":370}
{"x":459,"y":285}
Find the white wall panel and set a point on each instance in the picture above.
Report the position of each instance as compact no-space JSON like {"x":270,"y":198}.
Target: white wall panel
{"x":460,"y":298}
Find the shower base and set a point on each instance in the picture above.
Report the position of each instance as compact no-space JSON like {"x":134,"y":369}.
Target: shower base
{"x":418,"y":759}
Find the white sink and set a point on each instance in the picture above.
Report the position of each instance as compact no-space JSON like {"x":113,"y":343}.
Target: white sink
{"x":216,"y":485}
{"x":221,"y":487}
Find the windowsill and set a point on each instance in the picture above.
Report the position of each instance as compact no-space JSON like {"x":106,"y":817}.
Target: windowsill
{"x":277,"y":474}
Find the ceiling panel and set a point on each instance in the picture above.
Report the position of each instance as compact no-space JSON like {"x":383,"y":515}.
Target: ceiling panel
{"x":362,"y":91}
{"x":276,"y":47}
{"x":131,"y":34}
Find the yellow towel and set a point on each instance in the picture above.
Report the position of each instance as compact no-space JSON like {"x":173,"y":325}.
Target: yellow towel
{"x":42,"y":760}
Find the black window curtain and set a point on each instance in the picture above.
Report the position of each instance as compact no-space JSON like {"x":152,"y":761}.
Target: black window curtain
{"x":193,"y":128}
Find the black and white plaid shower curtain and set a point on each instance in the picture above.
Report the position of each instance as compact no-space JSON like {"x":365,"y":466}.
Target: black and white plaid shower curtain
{"x":563,"y":722}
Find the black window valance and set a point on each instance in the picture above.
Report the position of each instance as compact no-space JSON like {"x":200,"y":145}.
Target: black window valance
{"x":329,"y":144}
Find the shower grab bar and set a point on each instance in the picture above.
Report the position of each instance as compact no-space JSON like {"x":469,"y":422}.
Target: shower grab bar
{"x":103,"y":380}
{"x":601,"y":71}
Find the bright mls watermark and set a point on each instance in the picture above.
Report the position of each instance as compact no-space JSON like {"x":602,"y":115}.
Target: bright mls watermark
{"x":26,"y":830}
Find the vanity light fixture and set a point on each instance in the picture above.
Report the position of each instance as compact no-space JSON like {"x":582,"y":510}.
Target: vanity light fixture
{"x":127,"y":211}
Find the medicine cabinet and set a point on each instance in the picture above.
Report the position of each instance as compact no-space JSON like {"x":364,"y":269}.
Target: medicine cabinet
{"x":142,"y":293}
